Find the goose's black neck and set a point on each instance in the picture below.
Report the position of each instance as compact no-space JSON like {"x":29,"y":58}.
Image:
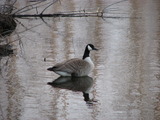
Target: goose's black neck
{"x":86,"y":53}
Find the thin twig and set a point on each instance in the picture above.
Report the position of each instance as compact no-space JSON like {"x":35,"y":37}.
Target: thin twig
{"x":113,"y":4}
{"x":14,"y":2}
{"x":45,"y":22}
{"x":30,"y":28}
{"x":27,"y":7}
{"x":48,"y":6}
{"x":33,"y":7}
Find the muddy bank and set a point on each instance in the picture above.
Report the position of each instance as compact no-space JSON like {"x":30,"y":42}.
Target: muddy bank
{"x":5,"y":50}
{"x":7,"y":24}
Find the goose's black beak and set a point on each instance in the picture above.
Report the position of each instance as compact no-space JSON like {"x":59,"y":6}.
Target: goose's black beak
{"x":50,"y":69}
{"x":95,"y":49}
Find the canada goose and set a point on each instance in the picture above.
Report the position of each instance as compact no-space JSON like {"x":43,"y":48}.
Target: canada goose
{"x":75,"y":66}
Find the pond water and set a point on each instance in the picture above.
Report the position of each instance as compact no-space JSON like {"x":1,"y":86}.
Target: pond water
{"x":125,"y":84}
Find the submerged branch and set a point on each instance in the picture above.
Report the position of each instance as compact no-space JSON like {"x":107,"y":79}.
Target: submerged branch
{"x":88,"y":14}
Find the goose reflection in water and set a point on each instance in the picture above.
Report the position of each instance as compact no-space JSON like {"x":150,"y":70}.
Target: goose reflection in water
{"x":83,"y":84}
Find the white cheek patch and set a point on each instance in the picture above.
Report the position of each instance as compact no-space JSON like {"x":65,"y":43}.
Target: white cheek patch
{"x":89,"y":48}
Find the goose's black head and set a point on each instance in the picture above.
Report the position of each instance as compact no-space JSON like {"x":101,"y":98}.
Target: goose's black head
{"x":89,"y":48}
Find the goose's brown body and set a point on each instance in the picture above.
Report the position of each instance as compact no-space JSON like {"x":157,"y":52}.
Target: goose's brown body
{"x":75,"y":67}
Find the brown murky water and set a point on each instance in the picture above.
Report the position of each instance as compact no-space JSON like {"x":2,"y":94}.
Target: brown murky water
{"x":125,"y":84}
